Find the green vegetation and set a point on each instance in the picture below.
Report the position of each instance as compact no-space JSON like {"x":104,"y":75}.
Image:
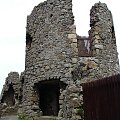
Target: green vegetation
{"x":21,"y":116}
{"x":80,"y":112}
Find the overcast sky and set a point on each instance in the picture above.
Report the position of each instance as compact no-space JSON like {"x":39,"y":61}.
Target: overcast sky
{"x":13,"y":15}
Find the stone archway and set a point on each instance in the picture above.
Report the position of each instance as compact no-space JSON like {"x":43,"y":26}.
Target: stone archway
{"x":48,"y":93}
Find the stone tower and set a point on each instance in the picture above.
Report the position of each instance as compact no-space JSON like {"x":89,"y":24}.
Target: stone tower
{"x":58,"y":60}
{"x":52,"y":60}
{"x":51,"y":54}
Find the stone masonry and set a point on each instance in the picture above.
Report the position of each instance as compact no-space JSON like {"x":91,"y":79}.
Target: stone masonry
{"x":11,"y":96}
{"x":55,"y":66}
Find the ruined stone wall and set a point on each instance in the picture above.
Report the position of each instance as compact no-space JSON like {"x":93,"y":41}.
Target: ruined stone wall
{"x":10,"y":98}
{"x":52,"y":55}
{"x":103,"y":39}
{"x":51,"y":28}
{"x":51,"y":47}
{"x":104,"y":59}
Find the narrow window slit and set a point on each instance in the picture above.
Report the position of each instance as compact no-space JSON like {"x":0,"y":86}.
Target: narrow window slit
{"x":28,"y":40}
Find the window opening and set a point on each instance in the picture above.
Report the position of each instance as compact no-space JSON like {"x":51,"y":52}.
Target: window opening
{"x":28,"y":40}
{"x":84,"y":46}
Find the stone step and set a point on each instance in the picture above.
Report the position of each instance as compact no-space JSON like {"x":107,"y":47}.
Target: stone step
{"x":48,"y":118}
{"x":12,"y":117}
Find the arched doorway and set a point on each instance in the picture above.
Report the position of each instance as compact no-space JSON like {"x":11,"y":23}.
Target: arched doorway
{"x":48,"y":93}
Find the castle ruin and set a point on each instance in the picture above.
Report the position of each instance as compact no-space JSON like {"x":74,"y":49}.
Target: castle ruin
{"x":58,"y":61}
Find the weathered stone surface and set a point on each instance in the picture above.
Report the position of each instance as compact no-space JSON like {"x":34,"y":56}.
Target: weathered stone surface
{"x":11,"y":96}
{"x":99,"y":46}
{"x":74,"y":40}
{"x":53,"y":62}
{"x":71,"y":36}
{"x":74,"y":45}
{"x":74,"y":60}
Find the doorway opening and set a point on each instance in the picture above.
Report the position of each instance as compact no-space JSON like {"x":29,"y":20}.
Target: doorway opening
{"x":48,"y":93}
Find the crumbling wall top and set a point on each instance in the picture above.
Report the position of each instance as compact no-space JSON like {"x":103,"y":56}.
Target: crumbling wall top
{"x":100,"y":13}
{"x":54,"y":12}
{"x":12,"y":79}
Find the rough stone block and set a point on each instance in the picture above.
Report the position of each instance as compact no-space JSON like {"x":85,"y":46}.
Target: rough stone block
{"x":96,"y":41}
{"x":47,"y":67}
{"x":99,"y":46}
{"x":67,"y":65}
{"x":74,"y":45}
{"x":74,"y":60}
{"x":97,"y":37}
{"x":61,"y":102}
{"x":74,"y":40}
{"x":72,"y":36}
